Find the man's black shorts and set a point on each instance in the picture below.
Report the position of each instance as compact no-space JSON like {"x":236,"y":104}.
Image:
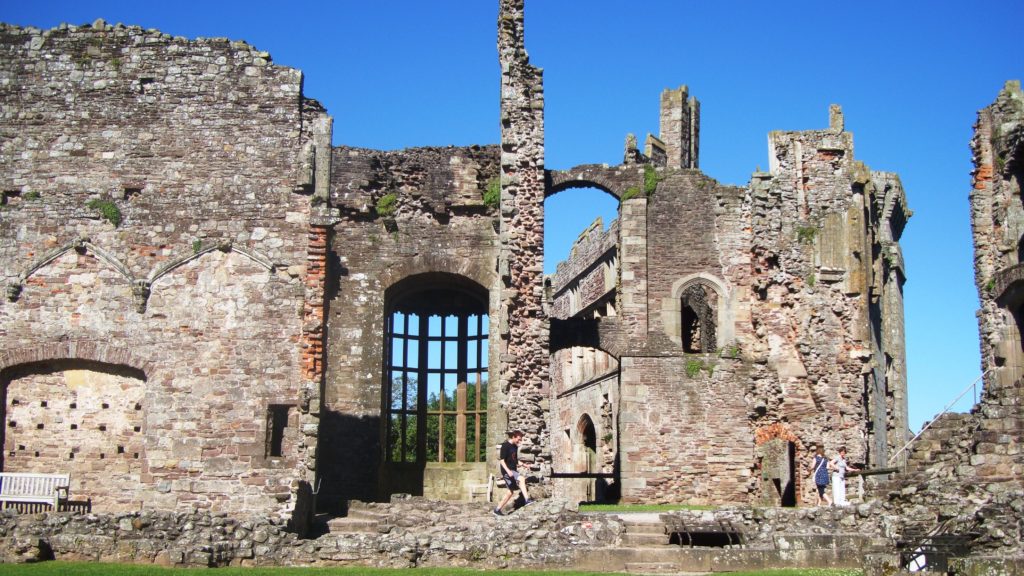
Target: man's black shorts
{"x":510,"y":482}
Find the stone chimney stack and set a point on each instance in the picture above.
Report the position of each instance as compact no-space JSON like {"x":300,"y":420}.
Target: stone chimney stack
{"x":680,"y":128}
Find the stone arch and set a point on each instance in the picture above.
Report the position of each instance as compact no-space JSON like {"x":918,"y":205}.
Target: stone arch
{"x":143,"y":288}
{"x":614,"y":181}
{"x":82,"y":245}
{"x":586,"y":434}
{"x":140,"y":287}
{"x":673,"y":310}
{"x":426,"y":281}
{"x":179,"y":261}
{"x":78,"y":408}
{"x":101,"y":352}
{"x":583,"y":183}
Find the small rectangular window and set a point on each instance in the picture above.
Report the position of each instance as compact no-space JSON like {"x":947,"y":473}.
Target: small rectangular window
{"x":277,"y":421}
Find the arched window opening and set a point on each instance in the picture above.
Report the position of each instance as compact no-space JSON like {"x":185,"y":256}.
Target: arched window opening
{"x":698,"y":319}
{"x":436,"y":349}
{"x":573,"y":218}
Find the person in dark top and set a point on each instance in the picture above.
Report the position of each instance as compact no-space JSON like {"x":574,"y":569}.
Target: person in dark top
{"x":508,"y":464}
{"x":821,"y":466}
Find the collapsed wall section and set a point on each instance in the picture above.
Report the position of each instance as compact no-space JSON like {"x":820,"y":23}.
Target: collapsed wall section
{"x":156,"y":207}
{"x":827,"y":270}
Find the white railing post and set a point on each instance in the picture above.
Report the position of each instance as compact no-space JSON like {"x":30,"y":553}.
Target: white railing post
{"x":944,"y":410}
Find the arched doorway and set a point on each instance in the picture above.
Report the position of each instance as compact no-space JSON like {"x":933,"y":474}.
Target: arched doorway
{"x":434,"y":378}
{"x":585,"y":457}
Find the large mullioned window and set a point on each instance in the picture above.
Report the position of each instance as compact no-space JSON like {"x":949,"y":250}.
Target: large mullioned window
{"x":436,"y":378}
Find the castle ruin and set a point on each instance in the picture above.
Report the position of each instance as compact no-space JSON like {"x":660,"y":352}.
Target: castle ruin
{"x":210,"y":306}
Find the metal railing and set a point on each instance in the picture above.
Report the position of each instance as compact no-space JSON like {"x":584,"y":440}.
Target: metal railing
{"x":970,"y":387}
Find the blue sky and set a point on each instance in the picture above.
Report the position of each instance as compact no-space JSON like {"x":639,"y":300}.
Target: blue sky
{"x":910,"y":76}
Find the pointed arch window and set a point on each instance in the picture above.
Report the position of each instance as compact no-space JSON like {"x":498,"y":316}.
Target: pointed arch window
{"x":698,"y":320}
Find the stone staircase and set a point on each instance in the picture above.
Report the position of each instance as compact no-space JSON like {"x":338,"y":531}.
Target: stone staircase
{"x":648,"y":537}
{"x":646,"y":548}
{"x":962,"y":468}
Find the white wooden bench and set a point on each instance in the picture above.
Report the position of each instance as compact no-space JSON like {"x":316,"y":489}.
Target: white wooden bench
{"x":31,"y":488}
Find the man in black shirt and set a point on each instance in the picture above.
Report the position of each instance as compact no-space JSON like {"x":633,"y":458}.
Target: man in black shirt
{"x":508,"y":462}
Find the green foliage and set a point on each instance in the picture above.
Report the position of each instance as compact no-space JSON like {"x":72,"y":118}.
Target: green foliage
{"x":435,"y":441}
{"x":106,"y":208}
{"x":631,"y":192}
{"x":32,"y":195}
{"x":731,"y":351}
{"x":492,"y":194}
{"x":811,"y":280}
{"x":693,"y":367}
{"x":387,"y":204}
{"x":806,"y":234}
{"x":197,"y":245}
{"x":990,"y":286}
{"x":651,"y":179}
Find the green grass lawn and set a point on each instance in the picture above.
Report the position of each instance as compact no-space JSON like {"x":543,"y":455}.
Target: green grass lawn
{"x":96,"y":569}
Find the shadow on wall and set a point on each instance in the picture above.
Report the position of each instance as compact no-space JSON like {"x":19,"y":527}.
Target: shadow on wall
{"x":348,"y":460}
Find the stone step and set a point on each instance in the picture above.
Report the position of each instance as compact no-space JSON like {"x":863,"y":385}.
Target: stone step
{"x":365,"y":513}
{"x":680,"y":559}
{"x":350,"y":524}
{"x":645,"y":539}
{"x":652,"y":568}
{"x":644,"y":527}
{"x":822,"y":541}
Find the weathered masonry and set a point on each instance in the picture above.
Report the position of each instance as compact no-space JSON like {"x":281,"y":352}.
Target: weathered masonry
{"x":210,"y":306}
{"x":712,"y":332}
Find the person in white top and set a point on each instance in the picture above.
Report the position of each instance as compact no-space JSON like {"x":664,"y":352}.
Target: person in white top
{"x":839,"y":467}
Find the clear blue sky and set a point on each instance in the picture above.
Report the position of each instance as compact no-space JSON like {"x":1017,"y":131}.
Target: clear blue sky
{"x":910,"y":76}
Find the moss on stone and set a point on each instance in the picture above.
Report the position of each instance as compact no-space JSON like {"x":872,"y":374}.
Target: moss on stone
{"x":492,"y":194}
{"x":387,"y":204}
{"x":107,"y":209}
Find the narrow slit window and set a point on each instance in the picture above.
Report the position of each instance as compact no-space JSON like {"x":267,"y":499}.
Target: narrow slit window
{"x":277,"y":422}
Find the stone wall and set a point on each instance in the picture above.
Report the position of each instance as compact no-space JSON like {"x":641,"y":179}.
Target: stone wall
{"x":997,"y":221}
{"x":411,"y":533}
{"x":154,"y":243}
{"x":821,"y":274}
{"x":421,"y":533}
{"x":799,"y":281}
{"x":523,"y":372}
